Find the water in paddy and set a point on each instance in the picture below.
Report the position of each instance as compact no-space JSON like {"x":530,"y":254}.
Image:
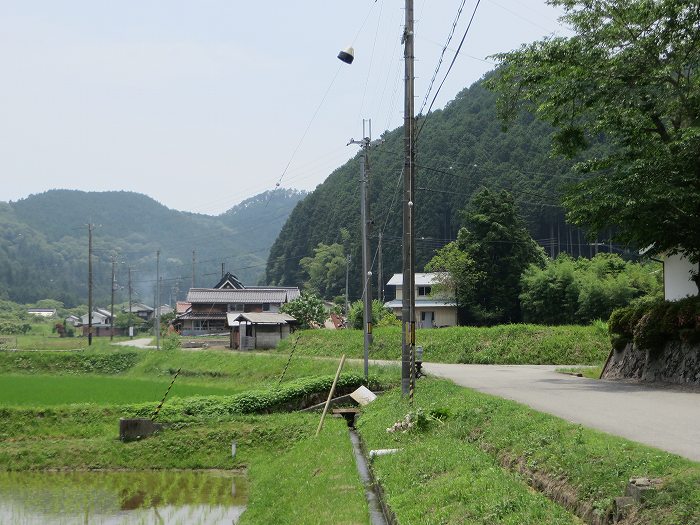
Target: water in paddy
{"x":186,"y":497}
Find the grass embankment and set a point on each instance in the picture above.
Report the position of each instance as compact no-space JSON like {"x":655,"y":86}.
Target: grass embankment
{"x":505,"y":344}
{"x":110,"y":377}
{"x":449,"y":468}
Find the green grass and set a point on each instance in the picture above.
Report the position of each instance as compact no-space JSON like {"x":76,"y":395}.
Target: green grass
{"x":313,"y":482}
{"x":506,"y":344}
{"x":46,"y":390}
{"x":479,"y":432}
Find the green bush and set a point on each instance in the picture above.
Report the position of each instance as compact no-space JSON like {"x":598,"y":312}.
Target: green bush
{"x":68,"y":362}
{"x":288,"y":396}
{"x":380,"y":316}
{"x":650,"y":324}
{"x":14,"y":327}
{"x":578,"y":291}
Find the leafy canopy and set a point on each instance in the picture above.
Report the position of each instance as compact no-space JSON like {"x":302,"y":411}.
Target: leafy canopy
{"x":307,"y":309}
{"x":630,"y":74}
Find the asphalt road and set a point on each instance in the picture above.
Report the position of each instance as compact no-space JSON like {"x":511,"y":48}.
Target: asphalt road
{"x":663,"y":417}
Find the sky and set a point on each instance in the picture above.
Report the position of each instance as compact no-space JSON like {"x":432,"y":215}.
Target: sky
{"x":201,"y":105}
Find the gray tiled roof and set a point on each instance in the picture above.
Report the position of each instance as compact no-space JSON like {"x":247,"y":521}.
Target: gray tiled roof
{"x":247,"y":296}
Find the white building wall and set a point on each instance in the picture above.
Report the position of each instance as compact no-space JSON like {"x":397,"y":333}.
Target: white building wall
{"x":677,"y":273}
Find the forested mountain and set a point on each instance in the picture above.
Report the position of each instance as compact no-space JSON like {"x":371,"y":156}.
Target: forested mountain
{"x":459,"y":149}
{"x":44,"y":244}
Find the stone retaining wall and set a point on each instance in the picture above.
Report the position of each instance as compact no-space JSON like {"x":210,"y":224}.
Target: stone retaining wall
{"x":677,"y":363}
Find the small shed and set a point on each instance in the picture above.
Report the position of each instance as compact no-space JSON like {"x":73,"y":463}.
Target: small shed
{"x":258,"y":330}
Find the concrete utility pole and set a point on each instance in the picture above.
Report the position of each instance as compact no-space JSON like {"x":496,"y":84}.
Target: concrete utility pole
{"x":131,"y":324}
{"x":408,"y":300}
{"x":157,"y":312}
{"x":111,"y":311}
{"x":89,"y":284}
{"x":365,"y":144}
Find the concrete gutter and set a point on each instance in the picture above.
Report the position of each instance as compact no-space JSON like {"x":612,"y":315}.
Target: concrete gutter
{"x":378,"y":510}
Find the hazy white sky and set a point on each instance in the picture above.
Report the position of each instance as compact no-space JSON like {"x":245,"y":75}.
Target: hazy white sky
{"x":203,"y":104}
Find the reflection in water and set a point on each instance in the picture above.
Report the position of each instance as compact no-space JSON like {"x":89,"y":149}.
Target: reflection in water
{"x":121,"y":497}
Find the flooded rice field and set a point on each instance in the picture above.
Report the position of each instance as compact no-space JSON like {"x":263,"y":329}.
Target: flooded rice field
{"x":146,"y":497}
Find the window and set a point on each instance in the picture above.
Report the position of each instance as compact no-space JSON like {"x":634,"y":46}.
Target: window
{"x":424,"y":290}
{"x":266,"y":307}
{"x":235,"y":307}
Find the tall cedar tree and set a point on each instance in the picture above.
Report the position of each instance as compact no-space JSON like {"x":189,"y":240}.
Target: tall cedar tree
{"x":495,"y":238}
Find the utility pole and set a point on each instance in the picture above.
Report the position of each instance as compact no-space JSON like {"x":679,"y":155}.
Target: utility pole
{"x":347,"y":280}
{"x":365,"y":144}
{"x":111,"y":312}
{"x":408,"y":300}
{"x":222,"y":270}
{"x":193,"y":263}
{"x":380,"y":276}
{"x":131,"y":325}
{"x":89,"y":284}
{"x":157,"y":316}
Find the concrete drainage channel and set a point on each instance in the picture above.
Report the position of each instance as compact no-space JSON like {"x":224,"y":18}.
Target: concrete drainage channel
{"x":379,"y":513}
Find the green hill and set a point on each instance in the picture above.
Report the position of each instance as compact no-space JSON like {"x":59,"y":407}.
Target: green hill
{"x":459,"y":149}
{"x":44,"y":243}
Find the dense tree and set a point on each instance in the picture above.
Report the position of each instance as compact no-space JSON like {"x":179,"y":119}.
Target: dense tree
{"x":492,"y":250}
{"x":630,"y":74}
{"x":325,"y":270}
{"x":577,"y":291}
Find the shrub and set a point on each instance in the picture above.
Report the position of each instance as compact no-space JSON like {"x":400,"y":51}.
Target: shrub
{"x":650,"y":324}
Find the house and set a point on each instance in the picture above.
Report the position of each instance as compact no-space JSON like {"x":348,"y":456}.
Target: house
{"x":42,"y":312}
{"x":73,"y":320}
{"x":208,"y":307}
{"x":431,"y":309}
{"x":101,"y":323}
{"x":140,"y":310}
{"x":678,"y":277}
{"x":258,"y":330}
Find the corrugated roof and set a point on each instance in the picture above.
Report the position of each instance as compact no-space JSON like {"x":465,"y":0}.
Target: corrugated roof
{"x":247,"y":296}
{"x":259,"y":318}
{"x":422,"y":279}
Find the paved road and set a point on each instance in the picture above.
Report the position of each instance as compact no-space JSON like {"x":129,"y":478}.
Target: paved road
{"x":666,"y":418}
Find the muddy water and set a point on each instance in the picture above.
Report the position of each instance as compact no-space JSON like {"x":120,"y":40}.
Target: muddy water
{"x":146,"y":497}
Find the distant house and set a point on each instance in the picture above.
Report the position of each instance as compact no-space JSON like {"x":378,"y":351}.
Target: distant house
{"x":101,"y":323}
{"x":73,"y":320}
{"x":42,"y":312}
{"x":431,"y":310}
{"x":205,"y":310}
{"x":140,"y":310}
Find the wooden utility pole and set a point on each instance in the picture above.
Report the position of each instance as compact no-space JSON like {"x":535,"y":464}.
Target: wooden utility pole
{"x":380,"y":272}
{"x":90,"y":284}
{"x":193,"y":263}
{"x":408,"y":301}
{"x":111,"y":312}
{"x":347,"y":281}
